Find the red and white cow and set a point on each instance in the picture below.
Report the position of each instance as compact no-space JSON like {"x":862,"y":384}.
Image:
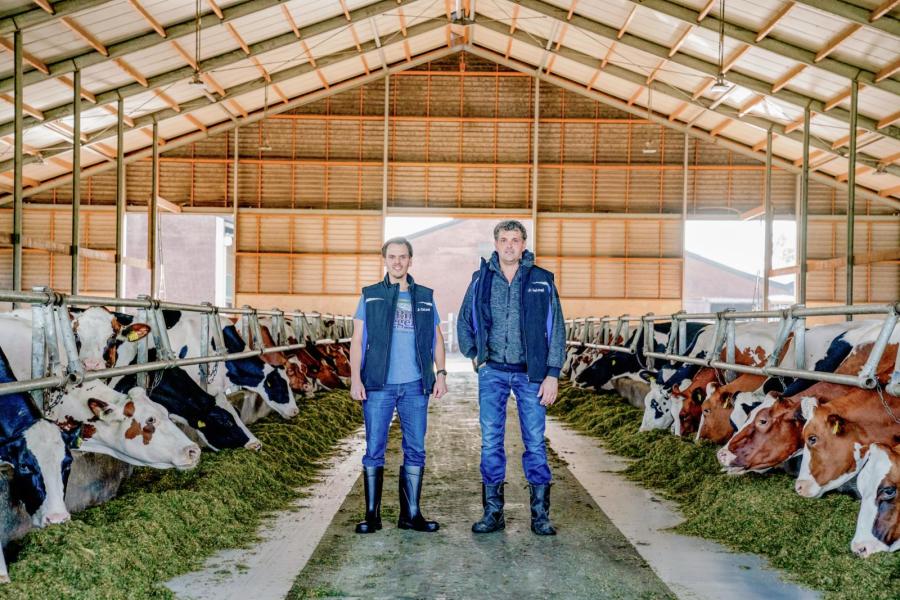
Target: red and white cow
{"x":878,"y":523}
{"x":838,"y":433}
{"x":773,"y":431}
{"x":129,"y":427}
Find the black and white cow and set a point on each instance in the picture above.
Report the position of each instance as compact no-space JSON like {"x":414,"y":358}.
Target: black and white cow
{"x":129,"y":427}
{"x":250,"y":374}
{"x":38,"y":458}
{"x":215,"y":422}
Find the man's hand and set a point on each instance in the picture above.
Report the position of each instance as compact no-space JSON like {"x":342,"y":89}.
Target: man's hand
{"x":357,"y":390}
{"x":440,"y":386}
{"x":548,"y":391}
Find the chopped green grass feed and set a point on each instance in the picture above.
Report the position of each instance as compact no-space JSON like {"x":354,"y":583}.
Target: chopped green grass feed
{"x":807,"y":538}
{"x":164,"y":523}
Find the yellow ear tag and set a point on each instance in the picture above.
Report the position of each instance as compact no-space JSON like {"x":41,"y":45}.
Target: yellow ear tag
{"x":200,"y":424}
{"x":835,"y":428}
{"x":134,"y":336}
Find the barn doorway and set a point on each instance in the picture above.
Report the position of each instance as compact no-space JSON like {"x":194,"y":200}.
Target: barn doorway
{"x":195,"y":258}
{"x":723,"y":264}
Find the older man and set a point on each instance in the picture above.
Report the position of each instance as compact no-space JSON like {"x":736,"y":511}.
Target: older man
{"x":511,"y":323}
{"x":396,"y":343}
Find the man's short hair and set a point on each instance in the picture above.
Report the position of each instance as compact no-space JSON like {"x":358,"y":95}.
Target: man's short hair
{"x":510,"y":225}
{"x":396,"y":240}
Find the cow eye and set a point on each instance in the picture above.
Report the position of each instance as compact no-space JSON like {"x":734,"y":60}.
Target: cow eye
{"x":705,"y":411}
{"x":811,"y":440}
{"x":151,"y":421}
{"x":888,"y":493}
{"x":763,"y":421}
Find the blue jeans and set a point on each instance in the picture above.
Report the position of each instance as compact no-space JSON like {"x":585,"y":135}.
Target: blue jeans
{"x":378,"y":411}
{"x":493,"y":392}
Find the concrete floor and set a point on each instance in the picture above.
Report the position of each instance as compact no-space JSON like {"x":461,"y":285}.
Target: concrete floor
{"x":589,"y":559}
{"x":613,"y":540}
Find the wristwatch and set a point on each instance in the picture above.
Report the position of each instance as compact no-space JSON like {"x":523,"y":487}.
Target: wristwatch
{"x":441,"y":372}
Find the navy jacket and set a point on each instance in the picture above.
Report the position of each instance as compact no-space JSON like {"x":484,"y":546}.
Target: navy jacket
{"x":539,"y":313}
{"x":381,"y":305}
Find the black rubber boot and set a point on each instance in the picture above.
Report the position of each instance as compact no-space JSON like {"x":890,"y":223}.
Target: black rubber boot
{"x":540,"y":509}
{"x":410,"y":494}
{"x":492,"y":500}
{"x":373,"y":478}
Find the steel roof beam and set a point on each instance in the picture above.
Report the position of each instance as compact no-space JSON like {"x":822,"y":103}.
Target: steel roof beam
{"x":672,"y":91}
{"x":856,"y":14}
{"x":243,"y":88}
{"x":702,"y":66}
{"x":213,"y":130}
{"x":772,"y":44}
{"x":578,"y":88}
{"x":31,"y":17}
{"x":151,"y":38}
{"x":327,"y":26}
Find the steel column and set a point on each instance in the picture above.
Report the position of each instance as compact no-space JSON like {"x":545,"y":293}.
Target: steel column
{"x":120,"y":197}
{"x":851,"y":188}
{"x":18,"y":54}
{"x":76,"y":176}
{"x":235,"y":217}
{"x":769,"y":216}
{"x":384,"y":154}
{"x":802,"y":213}
{"x":534,"y":162}
{"x":152,"y":212}
{"x":684,"y":207}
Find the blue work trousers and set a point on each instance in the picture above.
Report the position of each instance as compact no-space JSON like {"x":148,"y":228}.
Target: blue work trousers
{"x":494,"y":387}
{"x":378,"y":411}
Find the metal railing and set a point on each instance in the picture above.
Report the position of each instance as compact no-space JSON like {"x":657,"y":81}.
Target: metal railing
{"x":791,"y":321}
{"x":51,"y":318}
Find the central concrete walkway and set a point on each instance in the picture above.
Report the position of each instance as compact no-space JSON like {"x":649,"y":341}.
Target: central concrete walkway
{"x":589,"y":558}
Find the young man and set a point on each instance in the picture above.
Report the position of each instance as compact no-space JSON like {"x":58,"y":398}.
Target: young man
{"x":511,"y":323}
{"x":396,"y":342}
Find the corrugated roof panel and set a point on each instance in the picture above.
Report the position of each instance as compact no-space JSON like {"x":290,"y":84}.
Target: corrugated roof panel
{"x":52,"y":41}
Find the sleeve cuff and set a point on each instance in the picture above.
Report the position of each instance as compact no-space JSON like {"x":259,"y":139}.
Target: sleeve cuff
{"x":553,"y":372}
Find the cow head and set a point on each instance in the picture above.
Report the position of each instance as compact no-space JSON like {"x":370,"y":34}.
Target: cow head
{"x":687,"y":400}
{"x":657,"y":408}
{"x":215,"y":422}
{"x":715,"y":418}
{"x":832,"y":450}
{"x":99,"y":334}
{"x":878,"y":523}
{"x":145,"y":437}
{"x":771,"y":435}
{"x":40,"y":463}
{"x":601,"y":371}
{"x":254,"y":375}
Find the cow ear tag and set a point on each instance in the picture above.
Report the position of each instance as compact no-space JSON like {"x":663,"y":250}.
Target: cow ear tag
{"x":200,"y":424}
{"x":133,"y":336}
{"x":835,"y":428}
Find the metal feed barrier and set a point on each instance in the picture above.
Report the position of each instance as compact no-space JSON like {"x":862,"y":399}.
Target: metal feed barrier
{"x":50,"y":316}
{"x":580,"y":332}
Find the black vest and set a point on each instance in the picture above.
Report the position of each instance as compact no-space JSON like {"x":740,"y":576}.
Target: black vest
{"x":381,"y":305}
{"x":535,"y":315}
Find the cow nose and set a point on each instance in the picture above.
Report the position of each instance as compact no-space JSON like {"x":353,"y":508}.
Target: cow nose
{"x":55,"y":518}
{"x":291,"y":412}
{"x":724,"y":457}
{"x":94,"y":364}
{"x":804,"y":487}
{"x":254,"y":445}
{"x":192,"y":454}
{"x":862,"y":549}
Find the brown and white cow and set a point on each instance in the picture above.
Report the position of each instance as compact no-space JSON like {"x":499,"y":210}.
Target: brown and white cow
{"x":721,"y":415}
{"x":837,"y":434}
{"x":878,"y":523}
{"x":774,"y":431}
{"x":753,"y":344}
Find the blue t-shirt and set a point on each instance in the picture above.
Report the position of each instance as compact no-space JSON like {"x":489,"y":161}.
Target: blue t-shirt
{"x":403,"y":366}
